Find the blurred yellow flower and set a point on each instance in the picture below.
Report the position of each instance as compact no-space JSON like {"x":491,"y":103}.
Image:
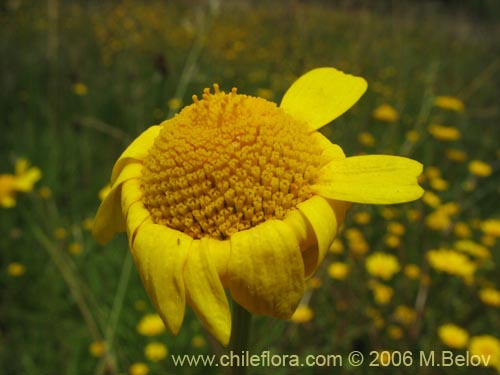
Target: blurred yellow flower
{"x":490,"y":296}
{"x":412,"y":136}
{"x":385,"y":113}
{"x":453,"y":336}
{"x":237,"y":193}
{"x":382,"y":265}
{"x":438,"y":220}
{"x":97,"y":348}
{"x":151,"y":325}
{"x":395,"y":332}
{"x":366,"y":139}
{"x":362,"y":218}
{"x":405,"y":315}
{"x":412,"y":271}
{"x":462,"y":230}
{"x":60,"y":233}
{"x":479,"y":168}
{"x":314,"y":283}
{"x":302,"y":314}
{"x":338,"y":270}
{"x":198,"y":341}
{"x":45,"y":192}
{"x":392,"y":241}
{"x":88,"y":223}
{"x":486,"y":346}
{"x":431,"y":199}
{"x":381,"y":293}
{"x":451,"y":262}
{"x":174,"y":103}
{"x":449,"y":102}
{"x":456,"y":155}
{"x":155,"y":351}
{"x":80,"y":89}
{"x":491,"y":227}
{"x":16,"y":269}
{"x":138,"y":368}
{"x":23,"y":180}
{"x":337,"y":247}
{"x":444,"y":133}
{"x":439,"y":184}
{"x":75,"y":248}
{"x":396,"y":228}
{"x":472,"y":248}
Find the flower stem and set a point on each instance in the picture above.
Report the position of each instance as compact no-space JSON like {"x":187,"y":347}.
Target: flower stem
{"x":242,"y":321}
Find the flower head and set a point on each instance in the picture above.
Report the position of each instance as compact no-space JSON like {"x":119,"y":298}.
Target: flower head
{"x":23,"y":181}
{"x":237,"y":193}
{"x":453,"y":336}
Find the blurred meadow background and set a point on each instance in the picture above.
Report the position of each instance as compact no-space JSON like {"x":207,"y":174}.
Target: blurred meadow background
{"x":81,"y":79}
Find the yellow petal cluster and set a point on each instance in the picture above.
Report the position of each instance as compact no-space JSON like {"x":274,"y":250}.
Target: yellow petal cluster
{"x":22,"y":181}
{"x":453,"y":336}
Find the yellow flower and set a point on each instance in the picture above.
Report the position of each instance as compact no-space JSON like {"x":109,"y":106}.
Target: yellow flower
{"x":366,"y":139}
{"x":386,"y":113}
{"x":237,"y":193}
{"x":451,"y":262}
{"x":60,"y":233}
{"x":138,"y":368}
{"x":406,"y":315}
{"x":449,"y":102}
{"x":337,"y":247}
{"x":362,"y":218}
{"x":480,"y":168}
{"x":45,"y":192}
{"x":338,"y":270}
{"x":382,"y":265}
{"x":462,"y":230}
{"x":97,"y":348}
{"x":456,"y":155}
{"x":22,"y":181}
{"x":16,"y":269}
{"x":155,"y":351}
{"x":303,"y":314}
{"x":472,"y":248}
{"x":150,"y":325}
{"x":381,"y":293}
{"x":487,"y":347}
{"x":198,"y":341}
{"x":453,"y":336}
{"x":395,"y":332}
{"x":490,"y":296}
{"x":75,"y":248}
{"x":491,"y":227}
{"x":412,"y":271}
{"x":444,"y":133}
{"x":174,"y":103}
{"x":396,"y":228}
{"x":431,"y":199}
{"x":80,"y":89}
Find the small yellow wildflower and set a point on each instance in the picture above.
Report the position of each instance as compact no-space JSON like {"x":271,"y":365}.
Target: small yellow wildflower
{"x":444,"y":133}
{"x":453,"y":336}
{"x":457,"y":155}
{"x":237,"y":193}
{"x":438,"y":220}
{"x":303,"y":314}
{"x":491,"y":227}
{"x":488,"y":241}
{"x":462,"y":230}
{"x":381,"y":293}
{"x":80,"y":89}
{"x":151,"y":325}
{"x":395,"y":332}
{"x":405,"y":315}
{"x":432,"y":171}
{"x":314,"y":283}
{"x":451,"y":262}
{"x":362,"y":218}
{"x":174,"y":103}
{"x":385,"y":113}
{"x":88,"y":223}
{"x":382,"y":265}
{"x":45,"y":192}
{"x":16,"y":269}
{"x":338,"y":270}
{"x":396,"y":228}
{"x":472,"y":248}
{"x":450,"y":103}
{"x":366,"y":139}
{"x":480,"y":168}
{"x":392,"y":241}
{"x":155,"y":351}
{"x":439,"y":184}
{"x":138,"y":368}
{"x":75,"y":248}
{"x":60,"y":233}
{"x":490,"y":296}
{"x":389,"y":213}
{"x":412,"y":271}
{"x":412,"y":136}
{"x":337,"y":247}
{"x":22,"y":181}
{"x":198,"y":341}
{"x":487,"y":347}
{"x":97,"y":348}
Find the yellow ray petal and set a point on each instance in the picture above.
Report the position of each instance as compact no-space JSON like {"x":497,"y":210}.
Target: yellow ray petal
{"x":266,"y":272}
{"x":321,"y":95}
{"x":205,"y":291}
{"x":109,"y":218}
{"x":321,"y":216}
{"x":160,"y":255}
{"x":331,"y":151}
{"x":136,"y":151}
{"x":381,"y":179}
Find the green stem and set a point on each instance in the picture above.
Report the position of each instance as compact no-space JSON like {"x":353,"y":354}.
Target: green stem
{"x":242,"y":321}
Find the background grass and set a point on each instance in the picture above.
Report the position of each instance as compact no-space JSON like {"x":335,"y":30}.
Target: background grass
{"x":132,"y":58}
